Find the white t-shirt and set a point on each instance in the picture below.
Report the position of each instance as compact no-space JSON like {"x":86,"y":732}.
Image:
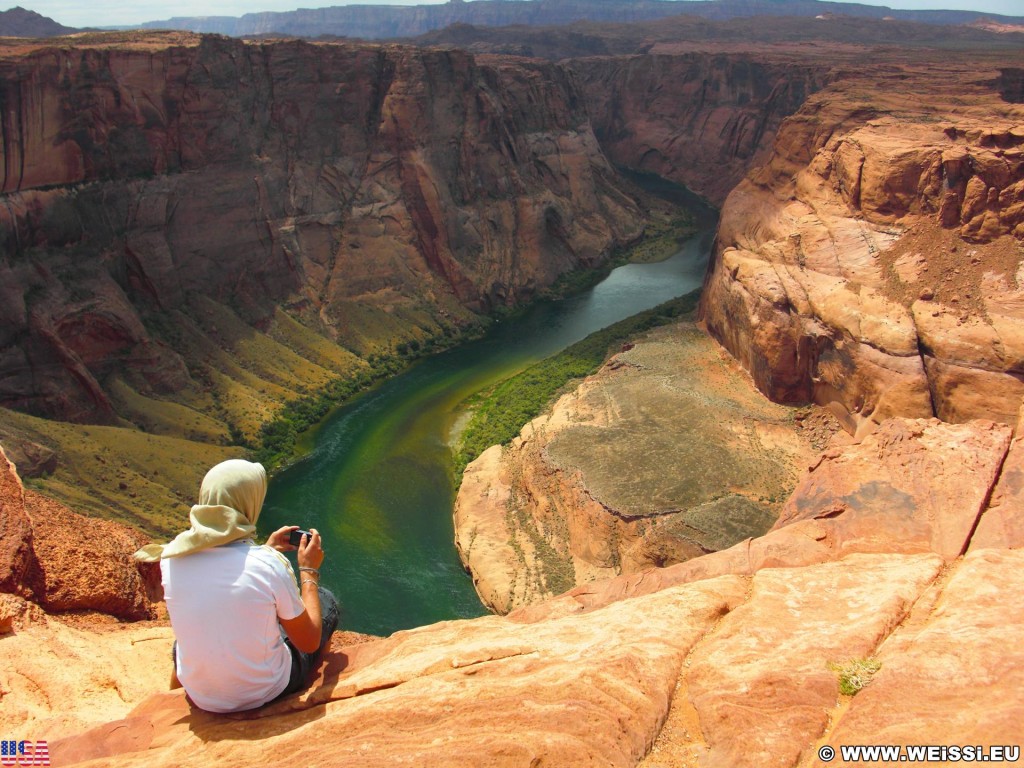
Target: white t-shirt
{"x":224,"y":604}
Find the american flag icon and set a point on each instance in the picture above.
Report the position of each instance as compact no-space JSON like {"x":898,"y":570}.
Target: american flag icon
{"x":24,"y":752}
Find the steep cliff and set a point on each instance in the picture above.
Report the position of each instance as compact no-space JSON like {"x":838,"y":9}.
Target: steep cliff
{"x":196,"y":229}
{"x":700,"y":119}
{"x":872,"y":263}
{"x":317,"y":177}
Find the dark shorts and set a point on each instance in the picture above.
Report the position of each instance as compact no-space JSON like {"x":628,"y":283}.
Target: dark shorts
{"x":304,"y":663}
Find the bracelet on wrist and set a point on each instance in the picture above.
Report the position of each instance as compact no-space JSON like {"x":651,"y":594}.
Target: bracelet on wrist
{"x":311,"y":581}
{"x":307,"y":569}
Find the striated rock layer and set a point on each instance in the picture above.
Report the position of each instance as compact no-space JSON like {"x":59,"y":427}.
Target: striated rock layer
{"x":872,"y":263}
{"x":166,"y":196}
{"x":700,"y":119}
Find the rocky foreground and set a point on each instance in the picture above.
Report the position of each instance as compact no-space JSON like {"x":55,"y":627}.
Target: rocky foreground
{"x":902,"y":549}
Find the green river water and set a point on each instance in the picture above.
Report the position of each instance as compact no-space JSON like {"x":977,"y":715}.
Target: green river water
{"x":377,"y":483}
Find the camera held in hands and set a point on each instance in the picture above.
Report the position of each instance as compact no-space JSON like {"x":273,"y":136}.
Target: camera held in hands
{"x":295,"y":537}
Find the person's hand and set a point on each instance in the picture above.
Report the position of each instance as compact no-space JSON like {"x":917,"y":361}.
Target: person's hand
{"x":310,"y":554}
{"x":279,"y":539}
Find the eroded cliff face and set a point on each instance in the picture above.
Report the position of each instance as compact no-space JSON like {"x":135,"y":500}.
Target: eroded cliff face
{"x":166,"y":197}
{"x":872,"y":263}
{"x":699,"y":118}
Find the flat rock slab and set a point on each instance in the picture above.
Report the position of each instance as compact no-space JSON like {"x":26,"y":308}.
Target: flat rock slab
{"x":57,"y":679}
{"x":761,"y":684}
{"x":592,"y":689}
{"x":674,"y":427}
{"x":957,"y":676}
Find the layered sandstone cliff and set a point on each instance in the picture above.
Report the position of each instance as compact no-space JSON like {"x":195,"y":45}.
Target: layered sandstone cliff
{"x":872,"y":263}
{"x":363,"y":189}
{"x":196,"y":230}
{"x":700,"y":119}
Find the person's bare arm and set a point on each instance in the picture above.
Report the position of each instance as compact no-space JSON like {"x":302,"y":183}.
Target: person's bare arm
{"x":279,"y":539}
{"x":304,"y":630}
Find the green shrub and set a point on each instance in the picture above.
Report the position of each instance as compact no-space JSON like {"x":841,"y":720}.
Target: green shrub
{"x":855,"y":674}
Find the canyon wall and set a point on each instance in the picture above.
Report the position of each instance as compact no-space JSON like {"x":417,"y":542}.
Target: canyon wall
{"x":165,"y":198}
{"x":700,"y":119}
{"x":382,"y":21}
{"x":872,"y":264}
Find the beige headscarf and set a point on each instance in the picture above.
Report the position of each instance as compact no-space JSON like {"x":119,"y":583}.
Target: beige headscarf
{"x":230,"y":500}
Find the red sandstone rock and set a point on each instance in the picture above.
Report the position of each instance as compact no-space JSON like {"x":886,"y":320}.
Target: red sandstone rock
{"x":586,"y":690}
{"x":734,"y":667}
{"x":17,"y":560}
{"x":67,"y":562}
{"x":955,"y":676}
{"x":805,"y":290}
{"x":85,"y":564}
{"x":58,"y":679}
{"x":911,"y":487}
{"x":729,"y":672}
{"x":761,"y":684}
{"x":662,"y":456}
{"x":700,"y":120}
{"x":1002,"y":524}
{"x":395,"y":187}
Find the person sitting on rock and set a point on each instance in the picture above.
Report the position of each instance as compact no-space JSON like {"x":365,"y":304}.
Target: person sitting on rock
{"x":245,"y":633}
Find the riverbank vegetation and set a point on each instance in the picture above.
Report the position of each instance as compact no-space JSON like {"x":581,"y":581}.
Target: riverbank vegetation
{"x":277,"y":440}
{"x":500,"y":413}
{"x":668,"y":225}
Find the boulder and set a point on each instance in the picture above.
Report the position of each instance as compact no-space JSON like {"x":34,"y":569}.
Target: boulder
{"x":68,"y":562}
{"x":86,"y":564}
